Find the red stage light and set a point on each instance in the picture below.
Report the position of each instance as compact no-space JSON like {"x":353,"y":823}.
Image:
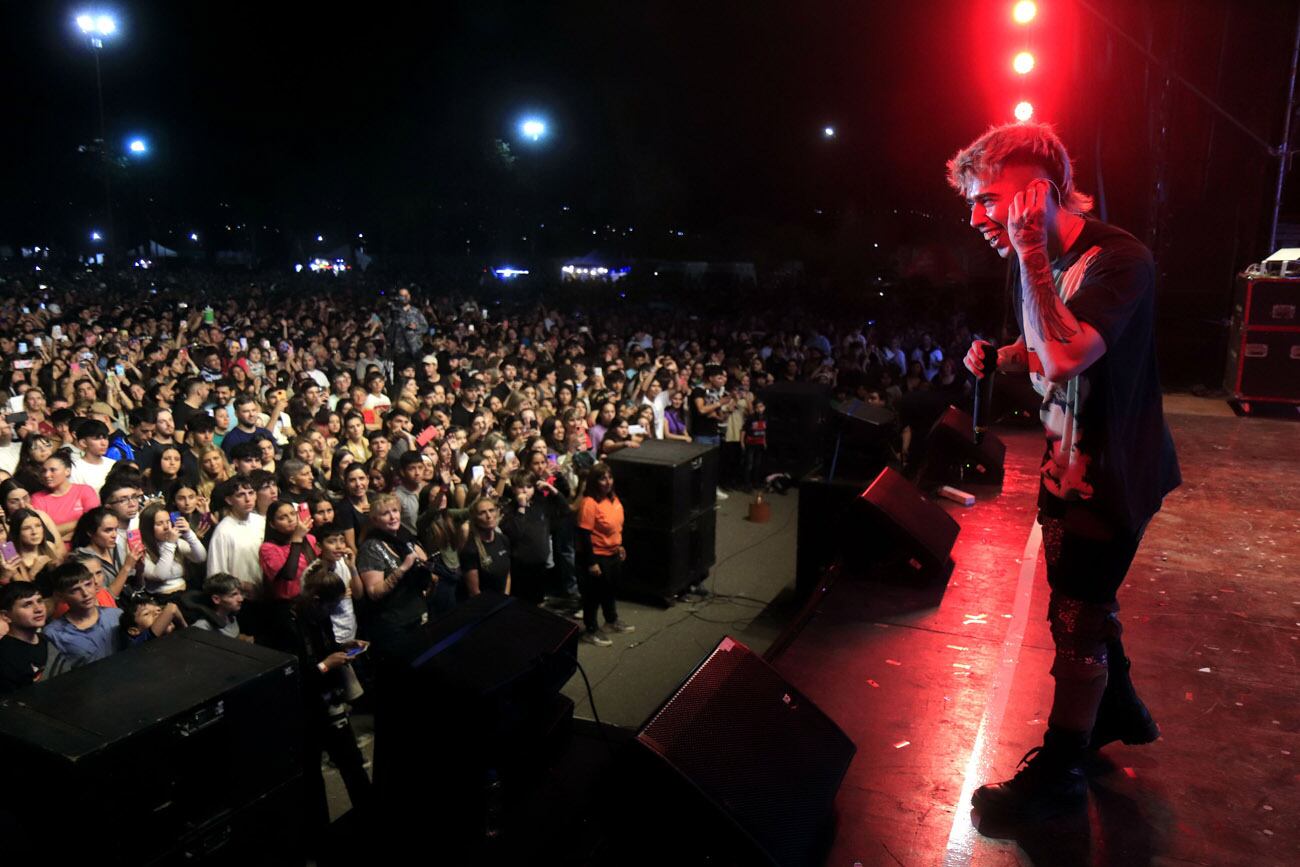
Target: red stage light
{"x":1024,"y":11}
{"x":1023,"y":62}
{"x":1024,"y":111}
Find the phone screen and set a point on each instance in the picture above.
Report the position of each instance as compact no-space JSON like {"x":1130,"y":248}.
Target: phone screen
{"x":8,"y":550}
{"x":304,"y":512}
{"x":355,"y":651}
{"x":22,"y":346}
{"x":476,"y":473}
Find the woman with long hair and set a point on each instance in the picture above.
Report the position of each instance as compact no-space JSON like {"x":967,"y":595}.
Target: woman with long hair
{"x":96,"y":535}
{"x":675,"y":418}
{"x":31,"y":457}
{"x":354,"y":437}
{"x":34,"y":543}
{"x":183,"y":497}
{"x":353,"y":508}
{"x":485,"y":558}
{"x":605,"y":419}
{"x":168,"y":546}
{"x":63,"y":500}
{"x":600,"y":553}
{"x":214,"y":468}
{"x":287,"y":550}
{"x":394,"y":570}
{"x":14,"y":496}
{"x":165,"y":468}
{"x":339,"y":463}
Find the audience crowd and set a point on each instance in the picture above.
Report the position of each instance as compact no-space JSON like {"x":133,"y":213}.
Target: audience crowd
{"x":322,"y":465}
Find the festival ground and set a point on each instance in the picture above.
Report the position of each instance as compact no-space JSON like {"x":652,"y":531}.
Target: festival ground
{"x":939,"y":700}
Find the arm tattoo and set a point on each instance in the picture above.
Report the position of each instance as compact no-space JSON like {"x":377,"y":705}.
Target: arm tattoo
{"x":1042,"y":312}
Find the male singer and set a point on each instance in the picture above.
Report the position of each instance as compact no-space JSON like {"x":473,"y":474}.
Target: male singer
{"x":1085,"y":303}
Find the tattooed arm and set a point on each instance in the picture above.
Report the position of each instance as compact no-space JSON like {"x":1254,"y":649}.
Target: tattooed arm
{"x":1065,"y":346}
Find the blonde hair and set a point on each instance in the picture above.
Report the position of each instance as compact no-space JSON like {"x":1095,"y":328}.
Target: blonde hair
{"x":207,"y":482}
{"x":1032,"y":143}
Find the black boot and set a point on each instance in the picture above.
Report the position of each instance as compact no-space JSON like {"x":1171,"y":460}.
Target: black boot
{"x":1121,"y":716}
{"x":1049,"y":783}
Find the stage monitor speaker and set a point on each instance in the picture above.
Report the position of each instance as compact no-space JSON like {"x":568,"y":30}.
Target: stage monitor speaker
{"x":737,"y":742}
{"x":1264,"y":342}
{"x":889,"y":530}
{"x":797,"y":430}
{"x":480,"y":696}
{"x":663,"y":561}
{"x":953,"y":457}
{"x":181,"y":733}
{"x":665,"y":484}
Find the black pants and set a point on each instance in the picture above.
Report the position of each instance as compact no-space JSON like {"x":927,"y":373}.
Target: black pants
{"x":332,"y":735}
{"x":598,"y":590}
{"x":754,"y":456}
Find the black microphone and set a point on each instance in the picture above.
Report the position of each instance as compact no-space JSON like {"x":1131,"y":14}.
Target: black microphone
{"x":984,"y":390}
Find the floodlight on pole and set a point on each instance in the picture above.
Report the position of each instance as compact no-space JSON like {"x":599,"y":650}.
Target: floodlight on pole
{"x":138,"y":146}
{"x":828,"y":132}
{"x":533,"y":128}
{"x":1024,"y":11}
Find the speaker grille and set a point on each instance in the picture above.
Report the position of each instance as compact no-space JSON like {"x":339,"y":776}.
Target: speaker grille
{"x":757,"y":748}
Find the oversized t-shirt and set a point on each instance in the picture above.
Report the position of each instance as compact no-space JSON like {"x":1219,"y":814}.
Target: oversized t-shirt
{"x":1107,"y":441}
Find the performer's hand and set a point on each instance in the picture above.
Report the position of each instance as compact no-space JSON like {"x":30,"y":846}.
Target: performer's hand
{"x":974,"y":359}
{"x":1028,"y":216}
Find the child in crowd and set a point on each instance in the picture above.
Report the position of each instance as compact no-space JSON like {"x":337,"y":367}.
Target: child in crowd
{"x":87,"y":632}
{"x":24,"y":651}
{"x":145,"y":618}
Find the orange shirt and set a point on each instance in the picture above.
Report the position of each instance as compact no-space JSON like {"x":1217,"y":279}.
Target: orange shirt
{"x":604,"y":519}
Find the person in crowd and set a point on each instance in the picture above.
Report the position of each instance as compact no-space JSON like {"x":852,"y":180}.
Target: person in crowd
{"x":485,"y":558}
{"x":145,"y":617}
{"x":166,"y":468}
{"x":184,"y":499}
{"x":24,"y":650}
{"x":526,"y":520}
{"x":215,"y":607}
{"x":676,"y":418}
{"x":394,"y":571}
{"x":754,"y":442}
{"x":247,"y":429}
{"x":235,"y":546}
{"x":600,"y":554}
{"x":87,"y":632}
{"x":619,"y":437}
{"x":410,"y":481}
{"x":268,"y":490}
{"x":169,"y":543}
{"x":287,"y":550}
{"x":214,"y":468}
{"x":92,"y":467}
{"x":96,"y":535}
{"x":64,"y":501}
{"x":327,"y":729}
{"x":35,"y":545}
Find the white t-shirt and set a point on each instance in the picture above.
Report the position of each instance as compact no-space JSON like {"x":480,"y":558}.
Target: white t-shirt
{"x":86,"y":473}
{"x":234,"y":549}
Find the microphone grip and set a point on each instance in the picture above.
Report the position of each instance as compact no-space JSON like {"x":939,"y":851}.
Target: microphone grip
{"x":984,"y":391}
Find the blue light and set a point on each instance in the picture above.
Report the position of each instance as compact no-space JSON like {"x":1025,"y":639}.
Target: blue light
{"x":508,"y":273}
{"x":533,"y":128}
{"x":138,"y":146}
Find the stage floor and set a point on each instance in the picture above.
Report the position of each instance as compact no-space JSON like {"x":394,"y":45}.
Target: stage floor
{"x":940,"y":700}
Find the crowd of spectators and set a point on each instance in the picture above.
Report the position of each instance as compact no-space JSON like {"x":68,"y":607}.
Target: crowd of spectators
{"x":323,"y":465}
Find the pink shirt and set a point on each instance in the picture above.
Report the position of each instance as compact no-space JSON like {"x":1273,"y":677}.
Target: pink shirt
{"x":273,"y":557}
{"x":68,"y":508}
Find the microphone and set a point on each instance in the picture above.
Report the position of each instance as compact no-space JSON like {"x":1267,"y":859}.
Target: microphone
{"x":984,"y":390}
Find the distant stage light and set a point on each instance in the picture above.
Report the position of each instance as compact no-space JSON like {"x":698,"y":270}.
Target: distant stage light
{"x":1024,"y":111}
{"x":1024,"y":11}
{"x":86,"y":23}
{"x":828,"y":132}
{"x":1023,"y":62}
{"x":95,"y":236}
{"x":533,"y":128}
{"x":138,"y":146}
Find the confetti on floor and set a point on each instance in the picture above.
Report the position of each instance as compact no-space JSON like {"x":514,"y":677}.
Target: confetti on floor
{"x":1203,"y":670}
{"x":892,"y":662}
{"x":873,"y":684}
{"x":901,"y":744}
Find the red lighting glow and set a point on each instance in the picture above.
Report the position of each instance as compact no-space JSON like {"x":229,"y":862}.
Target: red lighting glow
{"x":1024,"y":11}
{"x":1024,"y":111}
{"x":1023,"y":62}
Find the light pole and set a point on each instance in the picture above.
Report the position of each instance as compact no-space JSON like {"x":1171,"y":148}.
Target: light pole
{"x":97,"y":27}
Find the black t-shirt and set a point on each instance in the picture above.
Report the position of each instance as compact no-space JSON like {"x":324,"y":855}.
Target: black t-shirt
{"x":460,"y":416}
{"x":702,"y":425}
{"x":1120,"y":458}
{"x":529,"y":533}
{"x":21,"y":664}
{"x":491,"y":576}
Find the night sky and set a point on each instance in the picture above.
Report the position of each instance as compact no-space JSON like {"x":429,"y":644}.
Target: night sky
{"x":664,"y":115}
